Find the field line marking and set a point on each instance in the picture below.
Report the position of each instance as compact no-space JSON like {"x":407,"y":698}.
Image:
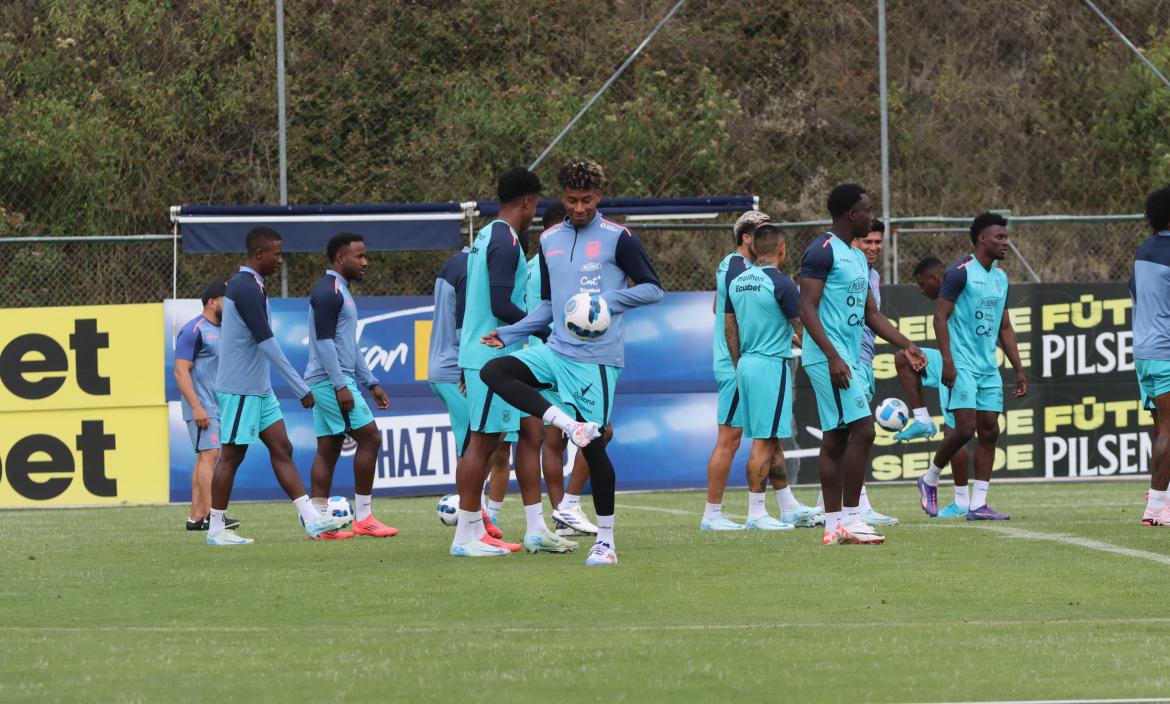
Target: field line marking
{"x":1067,"y":701}
{"x":672,"y":511}
{"x":1078,"y":541}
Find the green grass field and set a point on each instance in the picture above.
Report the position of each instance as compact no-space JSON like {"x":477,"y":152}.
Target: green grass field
{"x":1064,"y":602}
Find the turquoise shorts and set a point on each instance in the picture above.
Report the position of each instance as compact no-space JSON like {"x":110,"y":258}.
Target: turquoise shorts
{"x":1153,"y":379}
{"x":456,"y":403}
{"x":837,"y":408}
{"x":983,"y":392}
{"x":865,"y":371}
{"x":329,"y":419}
{"x":582,"y":389}
{"x":203,"y":440}
{"x":932,"y":378}
{"x":729,"y":411}
{"x":487,"y":412}
{"x":245,"y":417}
{"x":765,"y":392}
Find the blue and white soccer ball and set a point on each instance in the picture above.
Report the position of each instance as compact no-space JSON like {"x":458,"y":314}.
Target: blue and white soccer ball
{"x":587,"y":316}
{"x":340,"y":506}
{"x":447,"y":509}
{"x":892,"y":414}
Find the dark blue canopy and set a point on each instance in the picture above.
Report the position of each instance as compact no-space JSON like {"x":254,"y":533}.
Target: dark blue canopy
{"x":650,"y":206}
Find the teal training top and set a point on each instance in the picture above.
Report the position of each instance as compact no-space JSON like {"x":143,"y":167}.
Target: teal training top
{"x":731,"y":266}
{"x":842,"y":308}
{"x":496,"y":276}
{"x":979,"y":296}
{"x":763,"y":302}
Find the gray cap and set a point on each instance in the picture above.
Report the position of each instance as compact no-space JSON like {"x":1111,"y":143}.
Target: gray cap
{"x":749,"y":221}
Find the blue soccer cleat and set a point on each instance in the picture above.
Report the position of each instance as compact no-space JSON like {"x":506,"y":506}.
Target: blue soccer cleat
{"x":477,"y":548}
{"x":804,"y":516}
{"x":545,"y":541}
{"x":952,"y":511}
{"x":876,"y":518}
{"x":721,"y":523}
{"x":916,"y":429}
{"x":767,"y":523}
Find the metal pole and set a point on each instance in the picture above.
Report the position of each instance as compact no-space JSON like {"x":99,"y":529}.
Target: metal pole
{"x":887,"y":275}
{"x":174,"y":276}
{"x":1128,"y":43}
{"x":281,"y":125}
{"x":1031,"y":271}
{"x":621,"y":69}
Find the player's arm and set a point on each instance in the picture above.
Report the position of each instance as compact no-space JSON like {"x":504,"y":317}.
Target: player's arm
{"x":883,"y":328}
{"x":326,"y":307}
{"x":731,"y":331}
{"x":632,"y":259}
{"x":186,"y":347}
{"x":502,"y":261}
{"x":1007,"y":339}
{"x":788,"y":299}
{"x":367,"y":379}
{"x":250,"y":306}
{"x":954,"y":281}
{"x":533,"y":323}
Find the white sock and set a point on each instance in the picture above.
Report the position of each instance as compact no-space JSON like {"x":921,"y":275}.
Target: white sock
{"x":921,"y":415}
{"x":820,"y":499}
{"x":308,"y":512}
{"x":493,"y":508}
{"x":216,"y":525}
{"x":786,"y":500}
{"x":320,"y":503}
{"x":570,"y":502}
{"x":470,"y":526}
{"x":832,"y":520}
{"x":962,"y":498}
{"x":363,"y":506}
{"x":1155,"y":501}
{"x":712,"y":512}
{"x":864,"y":505}
{"x":557,"y":417}
{"x":756,"y":505}
{"x":534,"y":514}
{"x":932,"y":474}
{"x":850,"y":514}
{"x":605,"y":530}
{"x":979,"y":493}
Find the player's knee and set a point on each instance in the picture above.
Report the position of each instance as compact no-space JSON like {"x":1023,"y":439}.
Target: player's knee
{"x":729,"y":438}
{"x":863,"y":432}
{"x":964,"y":429}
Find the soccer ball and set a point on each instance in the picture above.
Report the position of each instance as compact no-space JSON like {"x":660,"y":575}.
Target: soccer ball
{"x":892,"y":414}
{"x":340,"y":506}
{"x":447,"y":508}
{"x":587,"y":316}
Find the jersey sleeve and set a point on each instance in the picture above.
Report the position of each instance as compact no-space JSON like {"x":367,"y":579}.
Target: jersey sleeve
{"x":632,"y":258}
{"x":326,"y":304}
{"x":787,"y":297}
{"x":817,"y":262}
{"x":187,"y":344}
{"x":953,"y":283}
{"x":250,"y":304}
{"x":502,"y":257}
{"x":545,"y":287}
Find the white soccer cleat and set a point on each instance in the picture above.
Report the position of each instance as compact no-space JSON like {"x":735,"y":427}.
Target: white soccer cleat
{"x":545,"y":541}
{"x":858,"y":532}
{"x":572,"y":522}
{"x":581,"y":434}
{"x":601,"y":554}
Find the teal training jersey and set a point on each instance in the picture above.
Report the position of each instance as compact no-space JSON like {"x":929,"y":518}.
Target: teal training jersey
{"x":731,"y":266}
{"x":763,"y":302}
{"x":979,"y":296}
{"x":496,"y":261}
{"x":842,"y":308}
{"x":532,"y":294}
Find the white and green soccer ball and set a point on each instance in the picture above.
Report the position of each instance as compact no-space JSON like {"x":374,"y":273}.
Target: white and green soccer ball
{"x":340,"y":506}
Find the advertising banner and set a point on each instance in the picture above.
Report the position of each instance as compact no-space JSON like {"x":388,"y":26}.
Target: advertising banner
{"x":82,"y":413}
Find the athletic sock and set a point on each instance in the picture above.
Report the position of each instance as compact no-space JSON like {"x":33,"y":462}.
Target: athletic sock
{"x":757,"y":507}
{"x":493,"y":509}
{"x":820,"y":499}
{"x":570,"y":502}
{"x":216,"y":524}
{"x":787,"y":501}
{"x":363,"y":506}
{"x":832,"y":520}
{"x":320,"y":503}
{"x":712,"y":512}
{"x":932,"y":475}
{"x":921,"y":415}
{"x":557,"y":417}
{"x":850,"y":514}
{"x":1155,"y":501}
{"x":534,"y":515}
{"x":305,"y":507}
{"x":864,"y":505}
{"x":963,"y":498}
{"x":979,"y":493}
{"x":469,"y":526}
{"x":605,"y":530}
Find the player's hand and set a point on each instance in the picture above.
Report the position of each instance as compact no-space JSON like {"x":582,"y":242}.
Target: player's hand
{"x":201,"y":417}
{"x":948,"y":374}
{"x":381,"y":400}
{"x":917,"y":358}
{"x":492,"y":339}
{"x":840,"y":373}
{"x":796,"y":341}
{"x":462,"y":387}
{"x":1021,"y":385}
{"x":308,"y":400}
{"x":345,"y":399}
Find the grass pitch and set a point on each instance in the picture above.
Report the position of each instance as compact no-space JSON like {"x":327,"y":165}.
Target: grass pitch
{"x":1065,"y":601}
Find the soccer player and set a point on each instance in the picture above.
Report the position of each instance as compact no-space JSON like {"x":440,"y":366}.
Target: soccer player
{"x":761,"y":314}
{"x":496,"y":277}
{"x":835,"y":304}
{"x":1149,"y":285}
{"x":196,"y":361}
{"x":729,"y":410}
{"x":247,"y":406}
{"x":928,"y":274}
{"x":587,"y":253}
{"x":336,"y":365}
{"x":968,"y":319}
{"x":871,"y":246}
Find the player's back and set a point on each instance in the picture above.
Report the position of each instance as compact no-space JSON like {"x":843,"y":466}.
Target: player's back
{"x":732,"y":266}
{"x":1149,"y":285}
{"x":450,"y":299}
{"x":980,"y":296}
{"x":764,"y":300}
{"x":496,"y":250}
{"x":198,"y":342}
{"x":243,"y":368}
{"x":845,"y":272}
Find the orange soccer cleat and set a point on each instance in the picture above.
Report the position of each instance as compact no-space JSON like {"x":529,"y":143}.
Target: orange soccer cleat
{"x":373,"y":528}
